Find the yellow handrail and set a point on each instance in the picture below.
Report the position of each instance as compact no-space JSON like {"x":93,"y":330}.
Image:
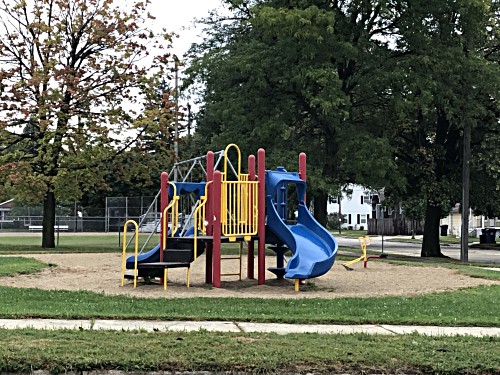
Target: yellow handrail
{"x":174,"y":205}
{"x":200,"y":212}
{"x":124,"y":251}
{"x":199,"y":220}
{"x":225,"y":159}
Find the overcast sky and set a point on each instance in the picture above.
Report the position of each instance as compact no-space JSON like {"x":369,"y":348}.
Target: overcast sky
{"x":178,"y":16}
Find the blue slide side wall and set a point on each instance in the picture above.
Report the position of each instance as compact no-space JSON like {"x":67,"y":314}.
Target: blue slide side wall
{"x":313,"y":247}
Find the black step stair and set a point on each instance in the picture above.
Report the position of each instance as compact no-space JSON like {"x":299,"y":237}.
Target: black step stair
{"x":178,"y":255}
{"x":279,"y":270}
{"x":163,"y":265}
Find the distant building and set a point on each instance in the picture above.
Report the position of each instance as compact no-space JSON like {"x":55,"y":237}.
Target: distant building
{"x":453,"y":222}
{"x":363,"y":204}
{"x":356,"y":208}
{"x":5,"y":208}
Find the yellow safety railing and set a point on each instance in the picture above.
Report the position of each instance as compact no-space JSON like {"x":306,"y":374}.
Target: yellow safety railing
{"x":124,"y":250}
{"x":172,"y":210}
{"x":239,"y":209}
{"x":239,"y":202}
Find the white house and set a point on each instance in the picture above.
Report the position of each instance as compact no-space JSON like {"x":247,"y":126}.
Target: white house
{"x":356,"y":208}
{"x":363,"y":203}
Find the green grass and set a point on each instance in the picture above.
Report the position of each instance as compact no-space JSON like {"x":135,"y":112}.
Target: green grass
{"x":470,"y":269}
{"x":22,"y":351}
{"x":468,"y":307}
{"x":474,"y":306}
{"x":62,"y":351}
{"x":481,"y":273}
{"x":70,"y":243}
{"x":350,"y":233}
{"x":11,"y":266}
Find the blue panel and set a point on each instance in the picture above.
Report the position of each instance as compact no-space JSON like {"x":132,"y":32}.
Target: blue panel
{"x":184,"y":188}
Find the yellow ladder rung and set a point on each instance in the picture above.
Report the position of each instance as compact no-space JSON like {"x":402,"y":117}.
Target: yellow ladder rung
{"x":230,"y":274}
{"x":228,"y":258}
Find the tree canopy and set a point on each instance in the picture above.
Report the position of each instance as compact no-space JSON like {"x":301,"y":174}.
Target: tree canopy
{"x":76,"y":85}
{"x":376,"y":92}
{"x":295,"y":76}
{"x":442,"y":81}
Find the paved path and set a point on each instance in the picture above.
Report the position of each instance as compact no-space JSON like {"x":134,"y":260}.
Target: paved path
{"x":215,"y":326}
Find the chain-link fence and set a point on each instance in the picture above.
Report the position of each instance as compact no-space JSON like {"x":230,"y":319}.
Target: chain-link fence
{"x":145,"y":210}
{"x":75,"y":218}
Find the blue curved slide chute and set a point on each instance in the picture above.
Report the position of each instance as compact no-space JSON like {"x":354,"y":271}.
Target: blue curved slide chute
{"x":313,"y":247}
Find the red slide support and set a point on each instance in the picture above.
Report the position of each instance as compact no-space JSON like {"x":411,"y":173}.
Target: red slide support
{"x":261,"y":257}
{"x":163,"y":205}
{"x":209,"y":216}
{"x":303,"y":170}
{"x":216,"y":211}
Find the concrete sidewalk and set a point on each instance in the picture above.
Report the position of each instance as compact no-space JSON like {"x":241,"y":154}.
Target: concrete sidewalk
{"x":215,"y":326}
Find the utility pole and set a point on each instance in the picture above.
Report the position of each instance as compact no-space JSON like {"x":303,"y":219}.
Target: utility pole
{"x":339,"y":199}
{"x":176,"y":139}
{"x":190,"y":119}
{"x":464,"y":244}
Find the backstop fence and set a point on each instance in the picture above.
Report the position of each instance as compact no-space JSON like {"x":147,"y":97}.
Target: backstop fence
{"x":75,"y":218}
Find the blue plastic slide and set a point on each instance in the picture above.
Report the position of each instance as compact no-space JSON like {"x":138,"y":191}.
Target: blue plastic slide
{"x":313,"y":247}
{"x":151,"y":256}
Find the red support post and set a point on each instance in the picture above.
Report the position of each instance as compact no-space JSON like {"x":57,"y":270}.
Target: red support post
{"x":303,"y":170}
{"x":163,"y":205}
{"x":251,"y":250}
{"x":209,"y":216}
{"x":261,"y":257}
{"x":216,"y":229}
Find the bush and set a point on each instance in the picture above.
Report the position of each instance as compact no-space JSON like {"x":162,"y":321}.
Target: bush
{"x":361,"y":228}
{"x":349,"y":227}
{"x":333,"y":221}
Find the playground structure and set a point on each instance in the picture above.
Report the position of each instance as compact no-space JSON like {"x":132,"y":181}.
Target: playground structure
{"x":363,"y":243}
{"x":235,"y":207}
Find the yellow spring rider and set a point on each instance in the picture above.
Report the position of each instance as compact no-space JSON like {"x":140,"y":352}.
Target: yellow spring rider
{"x":363,"y":243}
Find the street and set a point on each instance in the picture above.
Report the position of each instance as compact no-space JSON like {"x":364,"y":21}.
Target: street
{"x":413,"y":249}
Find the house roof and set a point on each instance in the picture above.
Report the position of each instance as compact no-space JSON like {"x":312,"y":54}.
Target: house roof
{"x":7,"y":204}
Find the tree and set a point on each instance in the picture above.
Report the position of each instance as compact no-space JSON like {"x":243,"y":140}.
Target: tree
{"x":71,"y":73}
{"x":442,"y":82}
{"x":136,"y":171}
{"x":290,"y":76}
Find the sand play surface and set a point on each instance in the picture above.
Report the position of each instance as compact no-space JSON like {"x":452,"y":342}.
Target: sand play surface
{"x":101,"y":273}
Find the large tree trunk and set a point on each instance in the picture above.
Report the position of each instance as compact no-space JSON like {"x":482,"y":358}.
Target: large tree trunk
{"x":430,"y":244}
{"x":49,"y":220}
{"x":320,"y":202}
